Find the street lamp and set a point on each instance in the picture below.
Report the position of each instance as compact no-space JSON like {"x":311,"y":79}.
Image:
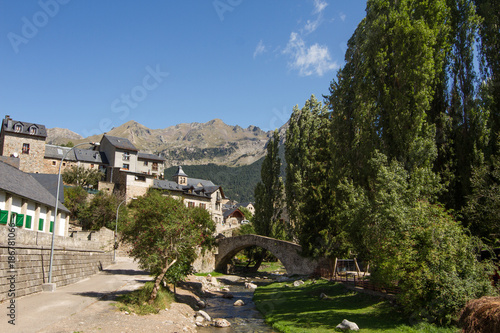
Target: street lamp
{"x":51,"y":286}
{"x":116,"y":229}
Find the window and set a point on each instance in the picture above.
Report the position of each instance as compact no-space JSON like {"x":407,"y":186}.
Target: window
{"x":26,"y":148}
{"x":54,"y":162}
{"x":18,"y":128}
{"x":51,"y":228}
{"x":125,"y":166}
{"x":126,"y":156}
{"x":19,"y":220}
{"x":40,"y":224}
{"x":91,"y":166}
{"x":140,"y":178}
{"x":155,"y":166}
{"x":204,"y":206}
{"x":28,"y":221}
{"x":32,"y":130}
{"x":190,"y":204}
{"x":4,"y":214}
{"x":145,"y":163}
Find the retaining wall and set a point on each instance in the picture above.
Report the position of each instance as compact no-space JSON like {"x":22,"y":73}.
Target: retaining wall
{"x":25,"y":259}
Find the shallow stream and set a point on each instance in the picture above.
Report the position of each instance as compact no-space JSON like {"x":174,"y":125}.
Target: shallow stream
{"x":244,"y":319}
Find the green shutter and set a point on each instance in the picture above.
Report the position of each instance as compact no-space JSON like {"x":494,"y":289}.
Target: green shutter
{"x":4,"y":214}
{"x":19,"y":220}
{"x":40,"y":224}
{"x":28,"y":222}
{"x":51,"y":226}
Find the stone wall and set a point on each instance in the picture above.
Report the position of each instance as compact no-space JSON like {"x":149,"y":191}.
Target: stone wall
{"x":32,"y":162}
{"x":75,"y":258}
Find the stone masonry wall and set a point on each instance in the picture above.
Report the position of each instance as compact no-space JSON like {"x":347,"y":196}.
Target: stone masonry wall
{"x":32,"y":162}
{"x":25,"y":259}
{"x":32,"y":268}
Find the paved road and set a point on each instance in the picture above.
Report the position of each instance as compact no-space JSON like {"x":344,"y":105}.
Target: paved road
{"x":38,"y":311}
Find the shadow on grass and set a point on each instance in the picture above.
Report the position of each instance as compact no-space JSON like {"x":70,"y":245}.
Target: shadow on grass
{"x":302,"y":307}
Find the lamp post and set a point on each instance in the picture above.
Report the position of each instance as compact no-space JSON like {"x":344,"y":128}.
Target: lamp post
{"x":51,"y":286}
{"x":116,"y":230}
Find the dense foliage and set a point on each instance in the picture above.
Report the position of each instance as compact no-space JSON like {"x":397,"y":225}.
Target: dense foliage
{"x":165,"y":235}
{"x":81,"y":176}
{"x":401,"y":166}
{"x":94,"y":211}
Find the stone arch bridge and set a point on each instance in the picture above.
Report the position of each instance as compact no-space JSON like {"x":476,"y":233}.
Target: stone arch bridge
{"x":287,"y":252}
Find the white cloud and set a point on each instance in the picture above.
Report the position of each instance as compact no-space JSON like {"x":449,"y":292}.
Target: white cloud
{"x":310,"y":60}
{"x":261,"y":48}
{"x":311,"y":26}
{"x":319,"y":6}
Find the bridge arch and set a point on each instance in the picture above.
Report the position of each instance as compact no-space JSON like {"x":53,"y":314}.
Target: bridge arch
{"x":287,"y":252}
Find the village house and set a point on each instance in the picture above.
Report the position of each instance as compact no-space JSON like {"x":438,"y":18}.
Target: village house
{"x":28,"y":203}
{"x":25,"y":141}
{"x":195,"y":193}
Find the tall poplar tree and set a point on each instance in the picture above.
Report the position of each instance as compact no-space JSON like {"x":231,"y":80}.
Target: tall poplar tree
{"x":269,"y":192}
{"x":309,"y":195}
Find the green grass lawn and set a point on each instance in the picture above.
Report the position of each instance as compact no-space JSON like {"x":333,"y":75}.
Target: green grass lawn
{"x":300,"y":309}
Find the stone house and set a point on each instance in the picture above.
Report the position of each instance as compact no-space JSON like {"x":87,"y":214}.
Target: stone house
{"x":247,"y":205}
{"x":126,"y":171}
{"x":25,"y":141}
{"x":195,"y":193}
{"x":233,"y":217}
{"x":25,"y":201}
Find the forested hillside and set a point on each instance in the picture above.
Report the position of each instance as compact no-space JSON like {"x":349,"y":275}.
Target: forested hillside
{"x":238,"y":183}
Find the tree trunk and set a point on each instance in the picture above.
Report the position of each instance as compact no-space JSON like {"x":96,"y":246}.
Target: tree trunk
{"x":158,"y":280}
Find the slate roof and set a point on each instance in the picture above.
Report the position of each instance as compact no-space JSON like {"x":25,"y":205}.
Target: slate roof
{"x":180,"y":172}
{"x":120,"y":143}
{"x":230,"y":212}
{"x":57,"y":152}
{"x":91,"y":156}
{"x":9,"y":125}
{"x":144,"y":156}
{"x":199,"y":191}
{"x":15,"y":181}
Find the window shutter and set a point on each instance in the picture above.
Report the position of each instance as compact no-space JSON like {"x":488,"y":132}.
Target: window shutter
{"x":51,"y":229}
{"x":4,"y":214}
{"x":40,"y":224}
{"x":19,"y":220}
{"x":28,"y":222}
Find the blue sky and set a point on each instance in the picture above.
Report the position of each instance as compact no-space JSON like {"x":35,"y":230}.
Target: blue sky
{"x":90,"y":65}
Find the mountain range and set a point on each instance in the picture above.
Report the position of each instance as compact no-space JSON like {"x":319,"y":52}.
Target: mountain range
{"x":186,"y":144}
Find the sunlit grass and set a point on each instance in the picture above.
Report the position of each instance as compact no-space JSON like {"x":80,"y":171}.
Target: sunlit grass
{"x":300,"y":309}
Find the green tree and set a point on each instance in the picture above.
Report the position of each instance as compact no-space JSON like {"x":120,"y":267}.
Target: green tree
{"x":269,"y":194}
{"x":81,"y":176}
{"x":413,"y":244}
{"x":165,"y":233}
{"x":100,"y":212}
{"x":309,"y":196}
{"x":75,"y":199}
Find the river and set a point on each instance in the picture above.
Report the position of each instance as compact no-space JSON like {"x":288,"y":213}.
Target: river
{"x":244,"y":319}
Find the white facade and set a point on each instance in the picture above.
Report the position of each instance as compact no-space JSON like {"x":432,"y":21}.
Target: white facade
{"x":30,"y":215}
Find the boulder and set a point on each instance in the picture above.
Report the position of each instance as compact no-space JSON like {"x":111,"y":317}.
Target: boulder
{"x":204,"y":315}
{"x":221,"y":322}
{"x":227,"y":295}
{"x":298,"y":283}
{"x":348,"y":325}
{"x":250,"y":285}
{"x":201,"y":304}
{"x":239,"y":303}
